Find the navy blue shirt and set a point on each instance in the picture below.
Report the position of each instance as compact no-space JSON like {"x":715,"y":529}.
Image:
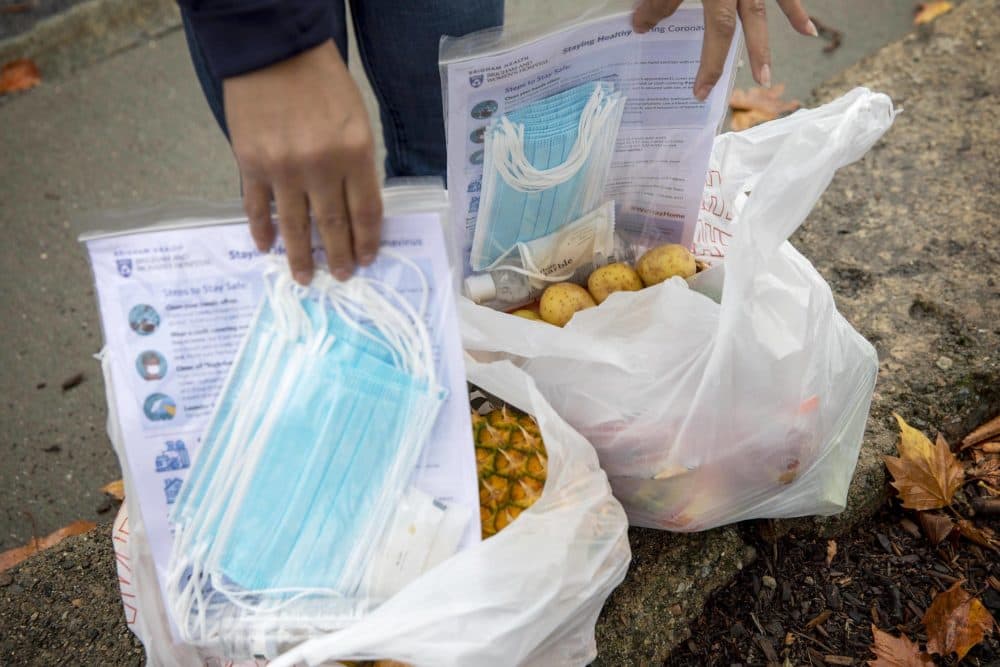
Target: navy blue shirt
{"x":239,"y":36}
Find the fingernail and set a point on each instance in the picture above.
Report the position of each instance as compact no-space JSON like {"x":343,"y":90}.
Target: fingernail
{"x":811,"y":29}
{"x":365,"y":260}
{"x":701,"y":91}
{"x":302,"y":277}
{"x":765,"y":76}
{"x":341,"y":274}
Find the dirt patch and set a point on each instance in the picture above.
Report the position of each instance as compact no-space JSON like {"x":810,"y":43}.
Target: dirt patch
{"x":790,"y":605}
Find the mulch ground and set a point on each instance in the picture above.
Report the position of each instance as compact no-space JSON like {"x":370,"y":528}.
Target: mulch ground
{"x":791,"y":608}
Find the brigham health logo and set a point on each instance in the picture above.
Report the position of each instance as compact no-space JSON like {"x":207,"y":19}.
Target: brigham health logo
{"x":124,"y":267}
{"x":475,"y":80}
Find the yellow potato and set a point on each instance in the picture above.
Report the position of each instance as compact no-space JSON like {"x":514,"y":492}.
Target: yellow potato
{"x":664,"y":262}
{"x":561,"y":301}
{"x":527,"y":314}
{"x":617,"y":277}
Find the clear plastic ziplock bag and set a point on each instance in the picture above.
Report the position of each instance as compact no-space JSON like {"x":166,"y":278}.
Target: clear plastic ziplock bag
{"x":310,"y":450}
{"x":550,"y":117}
{"x":312,"y":445}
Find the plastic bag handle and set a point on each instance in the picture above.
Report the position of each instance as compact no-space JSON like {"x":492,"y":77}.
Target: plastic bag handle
{"x":786,"y":165}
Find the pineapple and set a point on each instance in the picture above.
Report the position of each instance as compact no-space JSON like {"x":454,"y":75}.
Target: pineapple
{"x":512,"y":466}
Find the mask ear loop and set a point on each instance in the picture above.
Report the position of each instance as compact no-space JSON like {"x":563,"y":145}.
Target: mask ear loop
{"x":381,"y":304}
{"x":513,"y":165}
{"x":597,"y":175}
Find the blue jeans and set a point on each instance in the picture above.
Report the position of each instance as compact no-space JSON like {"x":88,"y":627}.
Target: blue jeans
{"x":398,"y":41}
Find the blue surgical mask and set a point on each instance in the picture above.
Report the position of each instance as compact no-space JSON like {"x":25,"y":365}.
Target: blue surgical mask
{"x":313,"y":441}
{"x":545,"y":166}
{"x":336,"y":442}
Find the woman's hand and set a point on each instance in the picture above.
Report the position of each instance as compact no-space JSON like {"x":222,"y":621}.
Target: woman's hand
{"x":301,"y":136}
{"x":720,"y":24}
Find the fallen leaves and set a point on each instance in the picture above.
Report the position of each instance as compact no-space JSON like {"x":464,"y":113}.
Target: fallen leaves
{"x":984,"y":537}
{"x":897,"y":651}
{"x":928,"y":11}
{"x":832,"y":36}
{"x":936,"y":527}
{"x":831,"y":551}
{"x":19,"y":75}
{"x":12,"y":557}
{"x":956,"y":621}
{"x":17,"y":8}
{"x":819,"y":619}
{"x":925,"y":475}
{"x":987,"y":431}
{"x":758,"y":105}
{"x":115,"y":489}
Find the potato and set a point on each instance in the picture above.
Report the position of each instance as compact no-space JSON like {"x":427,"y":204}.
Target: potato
{"x":561,"y":301}
{"x":617,"y":277}
{"x":527,"y":314}
{"x":664,"y":262}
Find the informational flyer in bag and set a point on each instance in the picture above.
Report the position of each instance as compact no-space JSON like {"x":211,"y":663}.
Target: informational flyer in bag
{"x":530,"y":116}
{"x":175,"y":305}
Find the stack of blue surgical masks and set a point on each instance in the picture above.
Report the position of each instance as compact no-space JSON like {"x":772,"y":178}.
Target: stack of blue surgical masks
{"x":545,"y":165}
{"x":310,"y":449}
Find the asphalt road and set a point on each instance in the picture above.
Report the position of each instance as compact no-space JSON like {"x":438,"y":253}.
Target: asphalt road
{"x":134,"y":129}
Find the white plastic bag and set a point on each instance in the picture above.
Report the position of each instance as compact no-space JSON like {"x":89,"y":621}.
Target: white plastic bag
{"x":529,"y":595}
{"x":706,"y":414}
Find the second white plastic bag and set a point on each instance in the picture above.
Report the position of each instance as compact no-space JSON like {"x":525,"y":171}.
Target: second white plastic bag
{"x":706,"y":414}
{"x":529,"y":595}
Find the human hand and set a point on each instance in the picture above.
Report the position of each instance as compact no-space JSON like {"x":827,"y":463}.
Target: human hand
{"x":301,"y":135}
{"x":720,"y":24}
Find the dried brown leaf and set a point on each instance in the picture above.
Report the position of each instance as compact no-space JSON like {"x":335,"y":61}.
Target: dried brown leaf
{"x":763,"y":99}
{"x":20,"y":74}
{"x":831,"y":551}
{"x":925,"y":475}
{"x":758,"y":105}
{"x":833,"y":37}
{"x":982,"y":536}
{"x":928,"y":11}
{"x":956,"y":621}
{"x":937,"y":527}
{"x":983,"y":432}
{"x":897,"y":651}
{"x":819,"y":619}
{"x":17,"y":8}
{"x":909,"y":527}
{"x":742,"y":120}
{"x":986,"y":468}
{"x":12,"y":557}
{"x":115,"y":489}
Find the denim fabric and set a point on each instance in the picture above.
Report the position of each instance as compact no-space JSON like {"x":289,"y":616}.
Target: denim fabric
{"x":398,"y":43}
